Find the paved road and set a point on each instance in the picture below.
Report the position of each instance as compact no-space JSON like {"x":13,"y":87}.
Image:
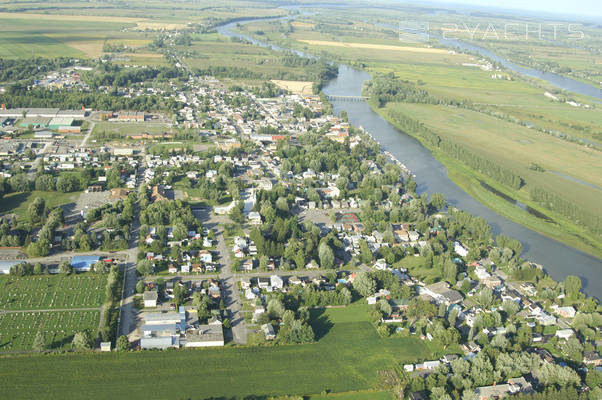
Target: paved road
{"x":231,"y":293}
{"x":128,"y":314}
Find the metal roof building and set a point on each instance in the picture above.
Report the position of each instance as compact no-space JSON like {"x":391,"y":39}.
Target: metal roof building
{"x":84,"y":263}
{"x":5,"y":266}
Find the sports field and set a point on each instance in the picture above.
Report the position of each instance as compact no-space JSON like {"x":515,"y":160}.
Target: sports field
{"x":347,"y":357}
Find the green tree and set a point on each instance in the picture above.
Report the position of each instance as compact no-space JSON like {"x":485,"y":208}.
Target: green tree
{"x":144,"y":267}
{"x":140,"y":286}
{"x":35,"y":211}
{"x":437,"y":201}
{"x":82,"y":340}
{"x":326,"y":255}
{"x":65,"y":268}
{"x":572,"y":285}
{"x":364,"y":284}
{"x":122,"y":343}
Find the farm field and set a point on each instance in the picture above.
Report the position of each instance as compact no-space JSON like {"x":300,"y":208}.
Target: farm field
{"x":18,"y":330}
{"x":51,"y":291}
{"x":346,"y":358}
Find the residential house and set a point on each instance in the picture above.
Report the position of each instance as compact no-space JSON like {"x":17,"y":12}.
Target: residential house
{"x":150,"y":298}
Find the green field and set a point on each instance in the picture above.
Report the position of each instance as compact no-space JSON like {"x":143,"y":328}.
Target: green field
{"x":18,"y":330}
{"x":346,"y":358}
{"x":40,"y":292}
{"x":561,"y":229}
{"x":19,"y":202}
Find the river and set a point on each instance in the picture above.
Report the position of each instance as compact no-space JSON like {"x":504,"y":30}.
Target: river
{"x":558,"y":259}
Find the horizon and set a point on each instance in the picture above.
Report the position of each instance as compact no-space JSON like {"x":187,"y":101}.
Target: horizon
{"x":585,"y":8}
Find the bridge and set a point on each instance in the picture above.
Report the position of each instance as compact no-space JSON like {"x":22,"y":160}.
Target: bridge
{"x":347,"y":98}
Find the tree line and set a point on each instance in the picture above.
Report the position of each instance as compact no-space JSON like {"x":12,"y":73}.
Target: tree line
{"x":18,"y":95}
{"x":567,"y":208}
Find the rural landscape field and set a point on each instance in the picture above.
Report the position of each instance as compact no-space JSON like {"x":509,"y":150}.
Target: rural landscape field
{"x":278,"y":200}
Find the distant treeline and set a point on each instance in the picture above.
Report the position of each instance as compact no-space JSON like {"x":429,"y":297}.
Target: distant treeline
{"x":313,"y":70}
{"x":18,"y":96}
{"x":28,"y":68}
{"x":387,"y":88}
{"x":115,"y":75}
{"x":567,"y":208}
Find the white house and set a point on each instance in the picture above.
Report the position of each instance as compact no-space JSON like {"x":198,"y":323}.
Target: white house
{"x":564,"y":333}
{"x":460,"y":249}
{"x":150,"y":298}
{"x":276,"y":282}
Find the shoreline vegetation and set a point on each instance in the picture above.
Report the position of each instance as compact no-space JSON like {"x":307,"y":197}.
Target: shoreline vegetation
{"x":561,"y":229}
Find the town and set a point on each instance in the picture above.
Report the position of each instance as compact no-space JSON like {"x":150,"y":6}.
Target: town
{"x":180,"y":211}
{"x":234,"y":233}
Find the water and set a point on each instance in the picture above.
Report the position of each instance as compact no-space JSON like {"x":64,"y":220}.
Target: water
{"x":558,"y":259}
{"x":560,"y":81}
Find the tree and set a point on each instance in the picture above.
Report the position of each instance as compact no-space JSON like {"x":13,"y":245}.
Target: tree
{"x":384,"y":307}
{"x":140,"y":286}
{"x":65,"y":268}
{"x":122,"y":343}
{"x":572,"y":285}
{"x":35,"y":211}
{"x":364,"y":284}
{"x":437,"y":201}
{"x":227,"y":324}
{"x":383,"y":330}
{"x":45,"y":183}
{"x":101,"y":267}
{"x":450,"y":271}
{"x":81,"y":340}
{"x":38,"y":269}
{"x":275,"y":309}
{"x":39,"y":342}
{"x":326,"y":255}
{"x":179,"y":293}
{"x":144,"y":267}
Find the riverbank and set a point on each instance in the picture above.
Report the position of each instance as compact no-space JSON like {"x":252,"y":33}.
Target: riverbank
{"x":560,"y":229}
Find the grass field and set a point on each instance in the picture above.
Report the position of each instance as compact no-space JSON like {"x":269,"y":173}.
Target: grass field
{"x":51,"y":291}
{"x":18,"y":330}
{"x":19,"y":202}
{"x":561,"y":229}
{"x":346,"y":358}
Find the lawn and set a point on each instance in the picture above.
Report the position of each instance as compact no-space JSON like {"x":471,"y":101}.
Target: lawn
{"x":40,"y":292}
{"x":18,"y":330}
{"x":346,"y":358}
{"x":19,"y":202}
